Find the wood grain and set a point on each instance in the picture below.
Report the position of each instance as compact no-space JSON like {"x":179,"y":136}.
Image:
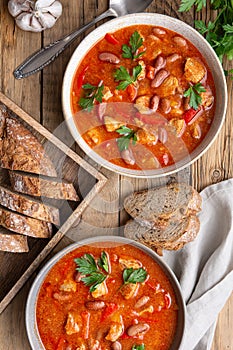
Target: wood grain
{"x":39,"y":95}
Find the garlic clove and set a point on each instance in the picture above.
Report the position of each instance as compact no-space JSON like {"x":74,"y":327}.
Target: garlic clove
{"x":55,"y":9}
{"x":40,"y":4}
{"x":36,"y":25}
{"x":15,"y":7}
{"x":47,"y":20}
{"x":23,"y":21}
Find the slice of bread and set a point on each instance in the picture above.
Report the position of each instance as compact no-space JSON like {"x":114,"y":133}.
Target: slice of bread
{"x":28,"y":206}
{"x":174,"y":237}
{"x":10,"y":242}
{"x":24,"y":225}
{"x":41,"y":186}
{"x":20,"y":149}
{"x":154,"y":207}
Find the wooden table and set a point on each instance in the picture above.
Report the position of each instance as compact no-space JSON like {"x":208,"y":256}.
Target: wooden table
{"x":39,"y":95}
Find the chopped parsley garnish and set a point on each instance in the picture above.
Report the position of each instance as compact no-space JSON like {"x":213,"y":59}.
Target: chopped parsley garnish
{"x":127,"y":134}
{"x":131,"y":50}
{"x":122,"y":75}
{"x":193,"y":92}
{"x":134,"y":275}
{"x":92,"y":93}
{"x":138,"y":347}
{"x":92,"y":275}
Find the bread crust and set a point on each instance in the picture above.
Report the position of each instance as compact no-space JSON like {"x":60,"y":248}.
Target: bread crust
{"x":13,"y":243}
{"x":28,"y":206}
{"x":20,"y":149}
{"x":38,"y":186}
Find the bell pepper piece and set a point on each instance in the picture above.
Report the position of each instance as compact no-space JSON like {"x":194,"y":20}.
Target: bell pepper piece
{"x":79,"y":82}
{"x":111,"y":39}
{"x":132,"y":92}
{"x":189,"y":115}
{"x":110,"y":308}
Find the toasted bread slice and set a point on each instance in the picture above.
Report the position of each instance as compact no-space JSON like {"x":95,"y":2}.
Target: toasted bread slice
{"x":28,"y":206}
{"x":20,"y":150}
{"x":10,"y":242}
{"x":174,"y":237}
{"x":154,"y":207}
{"x":41,"y":186}
{"x":24,"y":225}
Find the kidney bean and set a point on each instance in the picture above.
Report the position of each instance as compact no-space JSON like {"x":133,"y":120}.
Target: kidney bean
{"x":116,"y":345}
{"x":95,"y":305}
{"x":159,"y":78}
{"x":160,"y":62}
{"x":162,"y":135}
{"x":158,"y":31}
{"x":172,"y":58}
{"x":165,"y":105}
{"x":109,"y":57}
{"x":142,"y":301}
{"x":127,"y":156}
{"x":136,"y":329}
{"x":180,"y":41}
{"x":154,"y":103}
{"x":100,"y":110}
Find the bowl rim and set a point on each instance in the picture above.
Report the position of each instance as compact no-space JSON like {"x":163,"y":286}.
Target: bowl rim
{"x":30,"y":310}
{"x":97,"y":34}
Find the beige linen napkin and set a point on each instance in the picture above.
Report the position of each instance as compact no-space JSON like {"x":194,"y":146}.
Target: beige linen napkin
{"x":204,"y":267}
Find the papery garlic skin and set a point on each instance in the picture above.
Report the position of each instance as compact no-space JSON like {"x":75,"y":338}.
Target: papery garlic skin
{"x":35,"y":16}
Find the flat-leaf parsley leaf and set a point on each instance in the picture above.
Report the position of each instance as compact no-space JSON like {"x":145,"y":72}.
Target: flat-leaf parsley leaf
{"x":122,"y":75}
{"x":127,"y":135}
{"x":92,"y":93}
{"x":131,"y":275}
{"x":131,"y":50}
{"x":193,"y":92}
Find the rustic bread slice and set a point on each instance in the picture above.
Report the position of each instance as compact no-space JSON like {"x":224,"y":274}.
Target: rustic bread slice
{"x":10,"y":242}
{"x":24,"y":225}
{"x":20,"y":150}
{"x":28,"y":206}
{"x":41,"y":186}
{"x":153,"y":207}
{"x":174,"y":237}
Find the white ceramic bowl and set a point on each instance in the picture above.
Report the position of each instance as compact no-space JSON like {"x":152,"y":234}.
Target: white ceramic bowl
{"x":175,"y":25}
{"x":31,"y":325}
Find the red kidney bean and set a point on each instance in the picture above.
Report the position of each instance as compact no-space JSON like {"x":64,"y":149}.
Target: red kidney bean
{"x":136,"y":329}
{"x":159,"y":78}
{"x":142,"y":301}
{"x":159,"y":31}
{"x":154,"y":103}
{"x":165,"y":105}
{"x":180,"y":41}
{"x":127,"y":156}
{"x":95,"y":305}
{"x":109,"y":57}
{"x":160,"y":62}
{"x":116,"y":345}
{"x":172,"y":58}
{"x":162,"y":135}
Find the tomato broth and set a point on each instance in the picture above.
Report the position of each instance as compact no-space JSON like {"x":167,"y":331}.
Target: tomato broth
{"x":133,"y":307}
{"x":143,"y":97}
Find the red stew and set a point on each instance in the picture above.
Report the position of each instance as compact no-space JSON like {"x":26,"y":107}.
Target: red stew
{"x":167,"y":90}
{"x":128,"y":304}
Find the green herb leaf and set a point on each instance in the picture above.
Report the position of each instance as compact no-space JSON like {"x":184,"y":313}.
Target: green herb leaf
{"x":187,"y":4}
{"x":103,"y":261}
{"x":92,"y":93}
{"x":122,"y":75}
{"x":127,"y":135}
{"x":87,"y":266}
{"x":138,"y":347}
{"x":135,"y":43}
{"x":134,"y":275}
{"x":193,"y":92}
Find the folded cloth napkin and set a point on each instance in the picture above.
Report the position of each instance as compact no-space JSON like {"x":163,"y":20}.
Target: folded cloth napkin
{"x":204,"y":267}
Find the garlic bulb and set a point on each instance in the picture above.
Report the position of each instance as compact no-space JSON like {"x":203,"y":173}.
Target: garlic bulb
{"x":35,"y":16}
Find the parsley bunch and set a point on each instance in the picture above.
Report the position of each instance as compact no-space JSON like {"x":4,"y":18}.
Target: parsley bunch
{"x":218,"y":33}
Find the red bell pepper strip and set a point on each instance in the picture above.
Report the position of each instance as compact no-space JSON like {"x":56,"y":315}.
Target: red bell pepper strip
{"x":110,"y":308}
{"x":189,"y":115}
{"x":79,"y":83}
{"x":132,"y":92}
{"x":111,"y":39}
{"x":86,"y":324}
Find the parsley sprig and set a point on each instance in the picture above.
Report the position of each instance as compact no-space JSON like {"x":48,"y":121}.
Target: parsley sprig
{"x":127,"y":134}
{"x":131,"y":50}
{"x":132,"y":275}
{"x":87,"y":267}
{"x":122,"y":75}
{"x":138,"y":347}
{"x":193,"y":92}
{"x":219,"y":33}
{"x":93,"y":93}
